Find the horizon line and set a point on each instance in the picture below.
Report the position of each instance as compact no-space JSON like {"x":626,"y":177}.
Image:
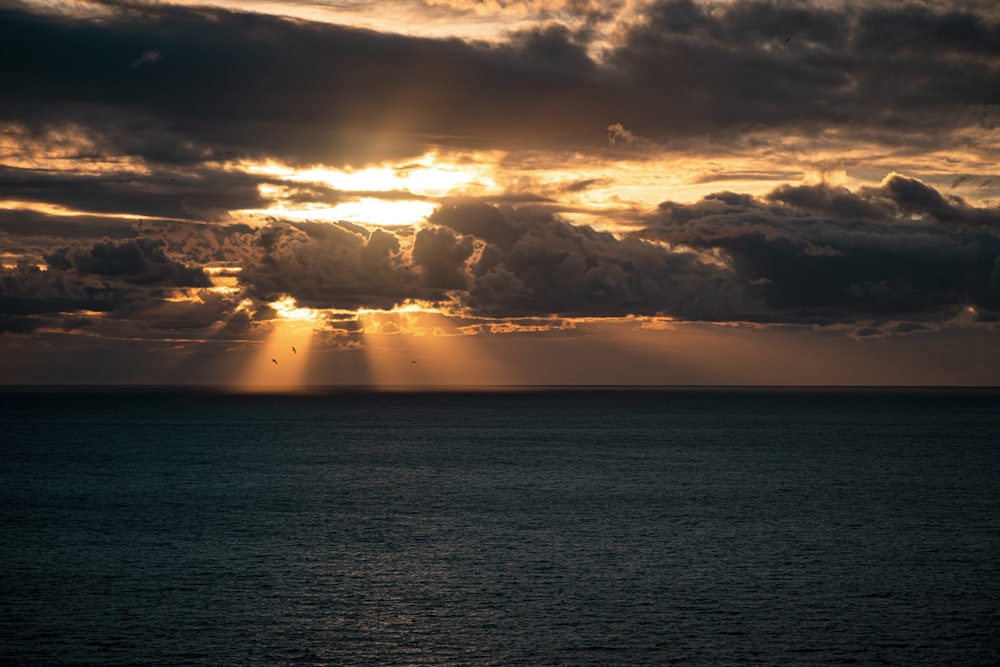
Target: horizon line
{"x":335,"y":389}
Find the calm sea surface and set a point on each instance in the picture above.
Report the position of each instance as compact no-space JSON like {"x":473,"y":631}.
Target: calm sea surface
{"x":575,"y":528}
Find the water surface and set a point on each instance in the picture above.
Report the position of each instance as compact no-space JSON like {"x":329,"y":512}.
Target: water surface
{"x":538,"y":528}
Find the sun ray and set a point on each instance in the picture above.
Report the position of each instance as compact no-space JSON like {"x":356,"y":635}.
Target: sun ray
{"x":281,"y":360}
{"x":411,"y":347}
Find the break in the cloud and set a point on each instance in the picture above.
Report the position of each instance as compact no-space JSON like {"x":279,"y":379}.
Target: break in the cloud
{"x":214,"y":170}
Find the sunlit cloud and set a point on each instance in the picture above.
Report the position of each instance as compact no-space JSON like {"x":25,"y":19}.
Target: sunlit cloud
{"x":58,"y":210}
{"x":365,"y":210}
{"x":287,"y":309}
{"x":66,"y":147}
{"x":486,"y":20}
{"x":409,"y":188}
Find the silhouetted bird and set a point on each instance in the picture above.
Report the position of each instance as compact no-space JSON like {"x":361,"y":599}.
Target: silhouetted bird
{"x":274,"y":361}
{"x":293,"y":350}
{"x":788,"y":39}
{"x":413,"y":361}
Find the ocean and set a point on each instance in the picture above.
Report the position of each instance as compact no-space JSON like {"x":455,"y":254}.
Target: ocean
{"x":674,"y":526}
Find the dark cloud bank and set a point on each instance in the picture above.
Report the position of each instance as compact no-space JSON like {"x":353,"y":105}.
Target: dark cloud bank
{"x":226,"y":83}
{"x":802,"y":254}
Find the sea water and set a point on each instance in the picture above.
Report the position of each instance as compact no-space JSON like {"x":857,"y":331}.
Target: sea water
{"x":520,"y":528}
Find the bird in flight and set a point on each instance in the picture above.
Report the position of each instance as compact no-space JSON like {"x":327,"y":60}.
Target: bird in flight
{"x":274,"y":361}
{"x":293,"y":350}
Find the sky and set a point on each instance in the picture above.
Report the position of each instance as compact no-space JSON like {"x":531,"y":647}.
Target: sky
{"x":263,"y":194}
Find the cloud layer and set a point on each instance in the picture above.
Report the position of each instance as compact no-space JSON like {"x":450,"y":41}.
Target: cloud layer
{"x":158,"y":111}
{"x":802,"y":254}
{"x":182,"y":85}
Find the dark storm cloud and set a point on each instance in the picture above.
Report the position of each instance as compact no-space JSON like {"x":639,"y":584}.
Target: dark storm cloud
{"x":141,"y":261}
{"x":324,"y":265}
{"x":26,"y":290}
{"x":441,"y":255}
{"x":900,"y":252}
{"x":189,"y":316}
{"x":823,"y":254}
{"x":228,"y":85}
{"x":897,"y":197}
{"x":914,"y":197}
{"x":18,"y":325}
{"x":803,"y":254}
{"x":257,"y":85}
{"x":32,"y":234}
{"x":712,"y":68}
{"x":498,"y":261}
{"x":32,"y":226}
{"x":205,"y":194}
{"x":125,"y":281}
{"x":535,"y":263}
{"x":239,"y":84}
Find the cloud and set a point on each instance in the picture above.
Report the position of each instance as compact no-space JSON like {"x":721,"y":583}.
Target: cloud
{"x":324,"y":265}
{"x":141,"y":261}
{"x":806,"y":254}
{"x":308,"y":93}
{"x":28,"y":291}
{"x":617,"y":132}
{"x":11,"y":324}
{"x":203,"y":192}
{"x":124,"y":287}
{"x":535,"y":263}
{"x":825,"y":254}
{"x":441,"y":255}
{"x":165,"y":137}
{"x":31,"y":234}
{"x":914,"y":197}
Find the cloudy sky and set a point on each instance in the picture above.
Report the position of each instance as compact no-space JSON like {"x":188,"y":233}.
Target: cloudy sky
{"x":480,"y":192}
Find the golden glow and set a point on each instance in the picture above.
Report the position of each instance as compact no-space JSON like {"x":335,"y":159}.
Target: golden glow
{"x":68,"y":148}
{"x":221,"y":270}
{"x":416,"y":347}
{"x":281,"y":360}
{"x":225,"y":279}
{"x":274,"y":365}
{"x":486,"y":20}
{"x":365,"y":211}
{"x":56,"y":209}
{"x":184,"y":296}
{"x":426,"y":176}
{"x":287,"y":309}
{"x":429,"y":175}
{"x":425,"y":180}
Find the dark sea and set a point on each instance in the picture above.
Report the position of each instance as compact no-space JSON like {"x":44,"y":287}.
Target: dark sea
{"x":696,"y":527}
